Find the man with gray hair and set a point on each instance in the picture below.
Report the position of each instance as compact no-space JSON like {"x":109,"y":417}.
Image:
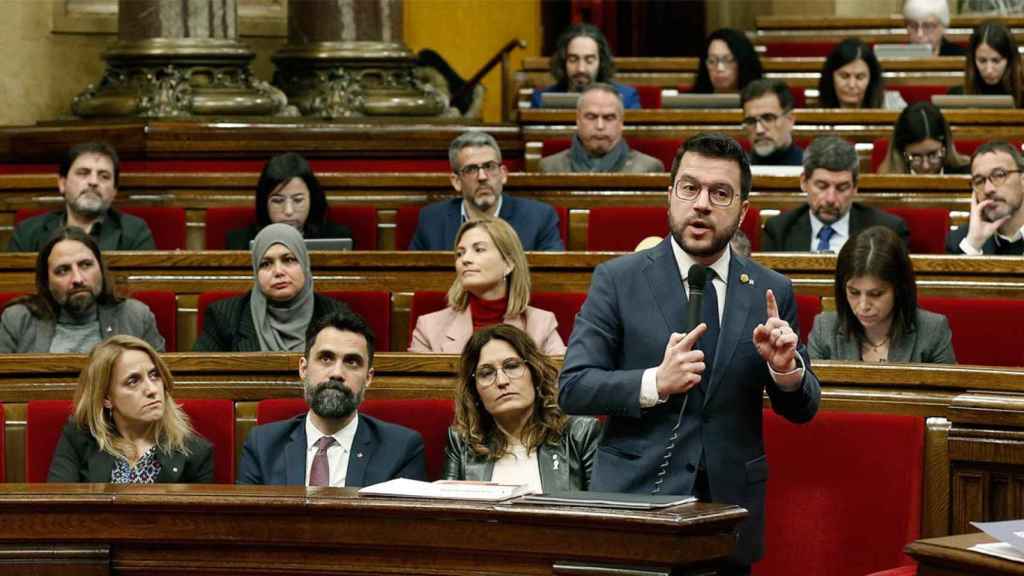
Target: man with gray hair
{"x":598,"y":145}
{"x":926,"y":22}
{"x":830,"y":217}
{"x":997,"y":221}
{"x":479,"y":176}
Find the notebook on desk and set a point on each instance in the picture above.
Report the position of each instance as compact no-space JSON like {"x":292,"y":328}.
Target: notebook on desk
{"x":559,"y":99}
{"x":973,"y":100}
{"x":903,"y":51}
{"x":688,"y":100}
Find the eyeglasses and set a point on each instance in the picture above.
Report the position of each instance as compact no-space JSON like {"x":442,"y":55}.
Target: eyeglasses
{"x":767,"y":119}
{"x":926,"y":27}
{"x":715,"y":61}
{"x":997,"y":177}
{"x":718,"y":195}
{"x":933,"y":157}
{"x":490,"y":168}
{"x":487,"y":374}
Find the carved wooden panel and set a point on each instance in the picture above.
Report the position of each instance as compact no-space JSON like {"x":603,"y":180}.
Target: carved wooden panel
{"x":255,"y":17}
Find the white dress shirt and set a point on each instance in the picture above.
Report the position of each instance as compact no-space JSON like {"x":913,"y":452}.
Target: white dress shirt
{"x":337,"y":453}
{"x":518,"y":467}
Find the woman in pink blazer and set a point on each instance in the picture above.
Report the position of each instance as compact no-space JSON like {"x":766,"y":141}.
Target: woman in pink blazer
{"x":492,"y":286}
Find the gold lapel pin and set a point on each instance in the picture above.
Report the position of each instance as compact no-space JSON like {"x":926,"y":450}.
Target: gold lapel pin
{"x":744,"y":279}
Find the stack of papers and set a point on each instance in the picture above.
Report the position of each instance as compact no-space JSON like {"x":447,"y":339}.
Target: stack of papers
{"x":446,"y":489}
{"x":1011,"y":539}
{"x":606,"y":500}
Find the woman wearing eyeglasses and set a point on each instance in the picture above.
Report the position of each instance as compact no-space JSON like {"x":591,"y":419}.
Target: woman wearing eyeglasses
{"x":491,"y":286}
{"x":728,"y":64}
{"x":876,"y":317}
{"x":921,"y":143}
{"x":508,"y":426}
{"x":926,"y":22}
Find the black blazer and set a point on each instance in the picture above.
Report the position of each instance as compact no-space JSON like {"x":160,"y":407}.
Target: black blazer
{"x":791,"y":230}
{"x":78,"y":458}
{"x":990,"y":247}
{"x":240,"y":238}
{"x":563,"y":467}
{"x":228,"y":327}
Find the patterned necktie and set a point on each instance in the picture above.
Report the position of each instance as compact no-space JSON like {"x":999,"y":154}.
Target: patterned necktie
{"x":824,"y":236}
{"x":320,"y":472}
{"x":709,"y":315}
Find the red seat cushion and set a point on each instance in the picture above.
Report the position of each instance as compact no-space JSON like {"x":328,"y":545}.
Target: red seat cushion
{"x":167,"y":223}
{"x":919,"y":92}
{"x":833,"y":494}
{"x":425,"y":302}
{"x":621,"y":228}
{"x":220,"y":220}
{"x":212,"y":419}
{"x":164,"y":305}
{"x":807,"y":307}
{"x":928,"y":228}
{"x":974,"y":321}
{"x":431,"y":418}
{"x":373,"y":306}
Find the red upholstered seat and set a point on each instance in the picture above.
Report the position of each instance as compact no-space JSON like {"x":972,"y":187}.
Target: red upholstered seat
{"x":621,"y":228}
{"x":807,"y":307}
{"x":837,"y":504}
{"x":979,"y":325}
{"x":362,"y":220}
{"x":408,"y":218}
{"x":650,"y":96}
{"x":430,"y":417}
{"x":212,"y":419}
{"x":663,"y":149}
{"x":919,"y":92}
{"x":564,"y":305}
{"x":6,"y":297}
{"x":167,"y":223}
{"x":373,"y":306}
{"x":928,"y":228}
{"x":164,"y":305}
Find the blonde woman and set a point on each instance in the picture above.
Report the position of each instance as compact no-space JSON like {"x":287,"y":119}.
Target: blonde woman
{"x":492,"y":286}
{"x":126,"y":428}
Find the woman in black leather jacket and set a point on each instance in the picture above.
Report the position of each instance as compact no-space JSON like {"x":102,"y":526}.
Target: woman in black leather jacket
{"x":508,"y":427}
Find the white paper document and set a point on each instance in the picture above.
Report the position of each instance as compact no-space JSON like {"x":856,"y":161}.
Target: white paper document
{"x":446,"y":489}
{"x":1010,"y":536}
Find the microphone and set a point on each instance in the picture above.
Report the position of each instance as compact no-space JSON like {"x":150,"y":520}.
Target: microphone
{"x":696,"y":279}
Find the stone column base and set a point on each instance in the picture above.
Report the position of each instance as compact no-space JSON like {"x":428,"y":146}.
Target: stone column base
{"x":348,"y":79}
{"x":165,"y":77}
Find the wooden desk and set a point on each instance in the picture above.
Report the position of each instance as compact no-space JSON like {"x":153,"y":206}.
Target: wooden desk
{"x":181,"y":529}
{"x":949,"y":556}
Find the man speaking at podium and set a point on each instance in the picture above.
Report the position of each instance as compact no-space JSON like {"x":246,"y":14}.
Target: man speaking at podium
{"x":680,"y":375}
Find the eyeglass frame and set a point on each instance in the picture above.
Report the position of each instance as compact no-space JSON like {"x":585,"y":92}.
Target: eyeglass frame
{"x":909,"y":158}
{"x":714,"y":61}
{"x":978,"y":182}
{"x":749,"y":122}
{"x":493,"y":379}
{"x":923,"y":26}
{"x":490,"y":168}
{"x":701,"y":187}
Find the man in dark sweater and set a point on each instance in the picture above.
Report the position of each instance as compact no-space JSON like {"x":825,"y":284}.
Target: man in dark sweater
{"x":768,"y":121}
{"x":996,"y":225}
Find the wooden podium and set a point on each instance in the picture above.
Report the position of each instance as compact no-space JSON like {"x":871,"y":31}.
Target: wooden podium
{"x":224,"y":529}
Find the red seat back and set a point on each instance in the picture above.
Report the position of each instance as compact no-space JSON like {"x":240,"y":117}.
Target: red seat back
{"x":621,"y":228}
{"x":164,"y":305}
{"x":431,"y":418}
{"x":564,"y":305}
{"x":167,"y":223}
{"x":833,"y":494}
{"x":928,"y":228}
{"x":362,"y":220}
{"x":212,"y":419}
{"x":807,"y":307}
{"x":919,"y":92}
{"x":425,"y":302}
{"x":373,"y":306}
{"x":650,"y":96}
{"x":974,"y":321}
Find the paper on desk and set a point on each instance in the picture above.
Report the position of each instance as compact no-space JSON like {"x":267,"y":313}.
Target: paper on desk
{"x":999,"y":550}
{"x":1010,"y":532}
{"x":446,"y":489}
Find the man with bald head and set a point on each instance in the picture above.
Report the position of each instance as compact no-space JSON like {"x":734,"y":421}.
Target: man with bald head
{"x":598,"y":145}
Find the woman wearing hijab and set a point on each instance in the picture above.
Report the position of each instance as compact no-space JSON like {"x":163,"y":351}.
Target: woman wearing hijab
{"x":273,"y":316}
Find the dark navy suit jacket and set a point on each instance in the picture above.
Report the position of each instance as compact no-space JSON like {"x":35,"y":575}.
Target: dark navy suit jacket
{"x":791,"y":230}
{"x":630,"y":97}
{"x":634,"y":304}
{"x":275,"y":453}
{"x":535,"y":222}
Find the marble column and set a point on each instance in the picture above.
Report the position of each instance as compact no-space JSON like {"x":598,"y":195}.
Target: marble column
{"x":346,"y":58}
{"x":177,"y":58}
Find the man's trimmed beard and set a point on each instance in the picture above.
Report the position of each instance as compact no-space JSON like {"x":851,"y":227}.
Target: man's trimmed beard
{"x":332,"y":399}
{"x":91,"y":205}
